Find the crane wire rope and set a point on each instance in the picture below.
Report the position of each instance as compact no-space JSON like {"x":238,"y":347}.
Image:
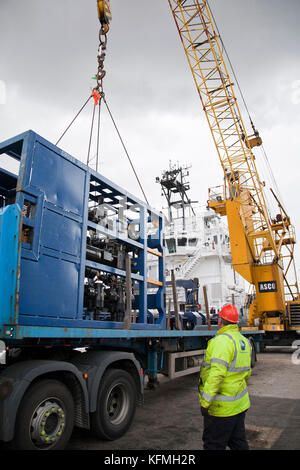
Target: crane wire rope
{"x":264,"y":154}
{"x":230,"y":63}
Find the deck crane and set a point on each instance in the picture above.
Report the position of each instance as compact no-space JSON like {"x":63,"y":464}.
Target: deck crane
{"x":262,"y":247}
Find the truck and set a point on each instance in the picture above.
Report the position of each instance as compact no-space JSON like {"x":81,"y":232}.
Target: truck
{"x":83,"y":328}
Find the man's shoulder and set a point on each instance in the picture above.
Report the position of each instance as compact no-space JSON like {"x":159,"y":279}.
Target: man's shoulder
{"x":222,"y":339}
{"x":237,"y":337}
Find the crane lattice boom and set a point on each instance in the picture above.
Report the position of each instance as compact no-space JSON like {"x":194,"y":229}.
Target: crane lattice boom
{"x":203,"y":49}
{"x":257,"y":240}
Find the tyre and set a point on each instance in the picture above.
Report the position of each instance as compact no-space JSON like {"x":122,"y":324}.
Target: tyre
{"x":116,"y":404}
{"x":253,"y":353}
{"x":45,"y":418}
{"x":262,"y":347}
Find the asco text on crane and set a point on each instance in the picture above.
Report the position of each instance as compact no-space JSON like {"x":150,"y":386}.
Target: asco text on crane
{"x":165,"y":458}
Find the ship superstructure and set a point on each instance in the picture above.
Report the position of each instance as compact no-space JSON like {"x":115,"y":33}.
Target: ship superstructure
{"x":197,"y":247}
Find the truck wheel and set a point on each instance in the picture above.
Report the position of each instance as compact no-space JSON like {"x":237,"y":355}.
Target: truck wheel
{"x":116,"y":405}
{"x":253,"y":353}
{"x":262,"y":347}
{"x":45,"y":418}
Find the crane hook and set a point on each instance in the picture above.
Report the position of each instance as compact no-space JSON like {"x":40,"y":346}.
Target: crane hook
{"x":104,"y":14}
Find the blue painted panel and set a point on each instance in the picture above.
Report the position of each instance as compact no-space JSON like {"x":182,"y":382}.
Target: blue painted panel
{"x":61,"y":233}
{"x":9,"y":259}
{"x":49,"y":288}
{"x":62,"y":181}
{"x":50,"y":268}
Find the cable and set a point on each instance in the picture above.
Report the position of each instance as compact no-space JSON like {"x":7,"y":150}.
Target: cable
{"x":98,"y":134}
{"x":125,"y":150}
{"x":74,"y":119}
{"x":91,"y":135}
{"x":230,"y":63}
{"x":244,"y":101}
{"x":271,"y":174}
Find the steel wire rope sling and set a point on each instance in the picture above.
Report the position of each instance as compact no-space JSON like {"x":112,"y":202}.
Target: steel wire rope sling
{"x":104,"y":15}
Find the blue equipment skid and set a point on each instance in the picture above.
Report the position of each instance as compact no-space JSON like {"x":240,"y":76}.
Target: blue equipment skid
{"x":74,"y":251}
{"x":65,"y":234}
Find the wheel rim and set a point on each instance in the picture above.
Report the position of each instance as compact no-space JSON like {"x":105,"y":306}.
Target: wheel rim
{"x":117,"y":404}
{"x":47,"y":423}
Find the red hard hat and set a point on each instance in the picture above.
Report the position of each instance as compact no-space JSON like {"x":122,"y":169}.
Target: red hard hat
{"x":229,"y":312}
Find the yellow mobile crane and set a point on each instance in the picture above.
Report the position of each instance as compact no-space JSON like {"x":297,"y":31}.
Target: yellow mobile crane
{"x":262,"y":247}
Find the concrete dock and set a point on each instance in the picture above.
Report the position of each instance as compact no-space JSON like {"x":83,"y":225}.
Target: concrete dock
{"x":170,"y":418}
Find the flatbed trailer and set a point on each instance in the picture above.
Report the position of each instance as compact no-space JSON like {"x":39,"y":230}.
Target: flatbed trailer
{"x":82,"y":323}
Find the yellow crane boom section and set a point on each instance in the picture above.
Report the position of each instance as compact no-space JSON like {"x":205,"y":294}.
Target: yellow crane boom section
{"x":203,"y":49}
{"x":257,"y":240}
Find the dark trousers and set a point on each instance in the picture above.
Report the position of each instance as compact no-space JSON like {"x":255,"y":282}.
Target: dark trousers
{"x":221,"y":432}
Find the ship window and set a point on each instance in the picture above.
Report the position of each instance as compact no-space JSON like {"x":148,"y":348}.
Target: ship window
{"x":193,"y":241}
{"x":182,"y":241}
{"x":171,"y":243}
{"x":216,"y":239}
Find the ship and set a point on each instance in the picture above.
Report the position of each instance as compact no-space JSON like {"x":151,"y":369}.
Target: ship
{"x":198,"y":255}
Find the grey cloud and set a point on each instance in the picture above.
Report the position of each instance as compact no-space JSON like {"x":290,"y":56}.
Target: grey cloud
{"x":48,"y":55}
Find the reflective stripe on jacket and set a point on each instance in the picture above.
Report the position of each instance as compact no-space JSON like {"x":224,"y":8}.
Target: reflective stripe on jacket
{"x":225,"y":373}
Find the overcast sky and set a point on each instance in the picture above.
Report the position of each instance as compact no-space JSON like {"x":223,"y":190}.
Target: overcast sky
{"x":48,"y":55}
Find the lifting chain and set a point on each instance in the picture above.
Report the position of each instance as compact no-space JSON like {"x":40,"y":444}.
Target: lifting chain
{"x":104,"y":14}
{"x":101,"y":57}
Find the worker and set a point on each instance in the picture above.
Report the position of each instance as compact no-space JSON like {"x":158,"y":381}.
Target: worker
{"x":223,"y":381}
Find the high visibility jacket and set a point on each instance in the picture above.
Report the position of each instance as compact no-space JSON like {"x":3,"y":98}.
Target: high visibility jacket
{"x":225,"y":373}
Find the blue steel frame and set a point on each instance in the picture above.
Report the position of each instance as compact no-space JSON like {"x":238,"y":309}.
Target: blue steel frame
{"x":52,"y":263}
{"x":10,"y":259}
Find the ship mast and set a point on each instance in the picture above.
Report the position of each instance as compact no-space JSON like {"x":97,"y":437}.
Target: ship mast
{"x":174,"y":187}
